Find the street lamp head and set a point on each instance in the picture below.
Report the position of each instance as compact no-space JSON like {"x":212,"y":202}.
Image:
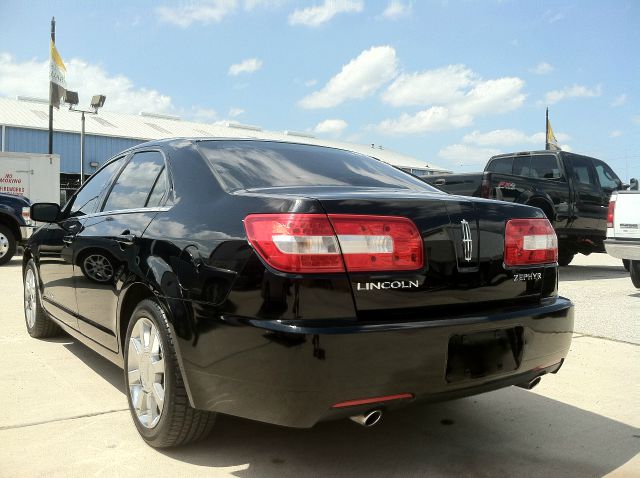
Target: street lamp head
{"x":97,"y":101}
{"x":71,"y":98}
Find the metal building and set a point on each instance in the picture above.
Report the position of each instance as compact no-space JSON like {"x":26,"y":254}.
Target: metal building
{"x":24,"y":128}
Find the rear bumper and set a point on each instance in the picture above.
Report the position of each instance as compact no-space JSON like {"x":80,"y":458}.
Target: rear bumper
{"x":292,"y":373}
{"x":623,"y":249}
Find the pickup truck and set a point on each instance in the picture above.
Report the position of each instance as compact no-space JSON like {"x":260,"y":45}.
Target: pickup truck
{"x":15,"y":224}
{"x":572,"y":190}
{"x":623,"y":230}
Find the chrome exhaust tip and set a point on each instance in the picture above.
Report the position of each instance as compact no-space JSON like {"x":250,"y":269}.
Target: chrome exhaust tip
{"x":531,"y":384}
{"x":368,"y":419}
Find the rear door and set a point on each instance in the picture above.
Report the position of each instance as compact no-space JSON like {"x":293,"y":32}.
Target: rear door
{"x":107,"y":248}
{"x":590,"y":209}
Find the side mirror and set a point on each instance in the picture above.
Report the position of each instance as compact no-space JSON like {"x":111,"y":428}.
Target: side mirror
{"x":634,"y":185}
{"x":45,"y":212}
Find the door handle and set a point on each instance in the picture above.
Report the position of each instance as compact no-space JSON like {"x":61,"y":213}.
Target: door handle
{"x":126,"y":239}
{"x":68,"y":240}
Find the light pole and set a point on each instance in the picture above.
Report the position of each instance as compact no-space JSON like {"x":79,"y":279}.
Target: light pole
{"x":97,"y":101}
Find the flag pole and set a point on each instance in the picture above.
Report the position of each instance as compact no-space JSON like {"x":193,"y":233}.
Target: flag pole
{"x":53,"y":39}
{"x":546,"y":131}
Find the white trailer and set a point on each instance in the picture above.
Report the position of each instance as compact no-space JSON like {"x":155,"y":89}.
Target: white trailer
{"x":35,"y":176}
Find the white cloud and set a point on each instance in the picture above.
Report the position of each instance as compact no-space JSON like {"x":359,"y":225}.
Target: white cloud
{"x":397,"y":9}
{"x":234,"y":112}
{"x":204,"y":115}
{"x":508,"y":137}
{"x":310,"y":83}
{"x":249,"y":65}
{"x":359,"y":78}
{"x":206,"y":12}
{"x":552,"y":17}
{"x":31,"y":78}
{"x":619,"y":100}
{"x":316,"y":16}
{"x":464,"y":154}
{"x":542,"y":68}
{"x":440,"y":86}
{"x":492,"y":96}
{"x":331,"y":126}
{"x":615,"y":134}
{"x":458,"y":96}
{"x":436,"y":118}
{"x":574,"y":91}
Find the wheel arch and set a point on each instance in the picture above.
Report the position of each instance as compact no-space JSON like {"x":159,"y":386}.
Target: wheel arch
{"x":132,"y":295}
{"x":545,"y":204}
{"x":10,"y":222}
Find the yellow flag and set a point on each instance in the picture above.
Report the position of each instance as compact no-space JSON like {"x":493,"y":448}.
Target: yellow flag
{"x":57,"y":77}
{"x":552,"y":142}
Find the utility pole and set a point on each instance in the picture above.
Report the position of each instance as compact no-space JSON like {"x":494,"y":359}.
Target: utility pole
{"x":53,"y":39}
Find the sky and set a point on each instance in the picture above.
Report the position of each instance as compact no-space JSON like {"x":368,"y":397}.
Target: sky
{"x":448,"y":82}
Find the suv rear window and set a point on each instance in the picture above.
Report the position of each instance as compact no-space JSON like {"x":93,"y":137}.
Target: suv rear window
{"x":263,"y":164}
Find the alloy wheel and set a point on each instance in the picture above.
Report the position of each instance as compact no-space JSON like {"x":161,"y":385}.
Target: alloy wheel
{"x":4,"y":245}
{"x":98,"y":268}
{"x":146,"y":372}
{"x":30,"y":303}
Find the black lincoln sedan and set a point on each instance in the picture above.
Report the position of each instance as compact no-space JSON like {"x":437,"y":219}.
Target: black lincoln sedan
{"x":291,"y":284}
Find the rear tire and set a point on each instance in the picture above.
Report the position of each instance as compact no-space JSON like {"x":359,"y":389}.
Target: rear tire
{"x":156,"y":392}
{"x":626,"y":263}
{"x":8,"y":244}
{"x":39,"y":324}
{"x":635,"y":273}
{"x":565,"y":257}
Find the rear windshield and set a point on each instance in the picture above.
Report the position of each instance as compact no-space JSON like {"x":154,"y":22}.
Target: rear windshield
{"x":264,"y":164}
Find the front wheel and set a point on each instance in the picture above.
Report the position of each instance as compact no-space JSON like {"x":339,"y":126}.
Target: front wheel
{"x":635,"y":273}
{"x":626,"y":263}
{"x":8,"y":244}
{"x":156,"y":392}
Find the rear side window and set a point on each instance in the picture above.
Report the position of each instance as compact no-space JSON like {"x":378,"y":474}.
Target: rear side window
{"x":501,"y":165}
{"x":582,"y":170}
{"x":544,"y":166}
{"x":137,"y":179}
{"x":86,"y":201}
{"x":263,"y":164}
{"x":608,"y":179}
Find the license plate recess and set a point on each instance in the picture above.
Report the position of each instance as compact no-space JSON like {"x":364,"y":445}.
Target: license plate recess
{"x":482,"y":354}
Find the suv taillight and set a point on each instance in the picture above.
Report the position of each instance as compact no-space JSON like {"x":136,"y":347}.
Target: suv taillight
{"x":529,"y":242}
{"x":319,"y":243}
{"x":611,"y":212}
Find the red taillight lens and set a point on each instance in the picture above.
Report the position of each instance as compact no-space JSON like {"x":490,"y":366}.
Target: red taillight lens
{"x":378,"y":243}
{"x":295,"y":242}
{"x":312,"y":242}
{"x":530,"y":242}
{"x":611,"y":212}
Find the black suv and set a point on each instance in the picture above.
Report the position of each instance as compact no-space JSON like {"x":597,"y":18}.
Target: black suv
{"x":291,"y":284}
{"x":15,"y":224}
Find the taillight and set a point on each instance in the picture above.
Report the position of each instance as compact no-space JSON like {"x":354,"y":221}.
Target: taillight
{"x":313,"y":242}
{"x":485,"y":186}
{"x":295,"y":242}
{"x":378,"y":243}
{"x":611,"y":212}
{"x":530,"y":242}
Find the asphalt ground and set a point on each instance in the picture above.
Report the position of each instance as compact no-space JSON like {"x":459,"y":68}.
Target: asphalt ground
{"x":63,"y":411}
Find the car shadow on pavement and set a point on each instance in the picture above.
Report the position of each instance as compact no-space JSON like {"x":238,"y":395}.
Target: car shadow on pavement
{"x":100,"y":365}
{"x":507,"y":433}
{"x":579,"y":273}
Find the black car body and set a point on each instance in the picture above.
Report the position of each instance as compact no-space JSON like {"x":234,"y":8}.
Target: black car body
{"x":15,"y":224}
{"x":571,"y":189}
{"x":294,"y":340}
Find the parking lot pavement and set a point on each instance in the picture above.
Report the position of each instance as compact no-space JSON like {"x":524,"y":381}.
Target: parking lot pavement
{"x":62,"y":412}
